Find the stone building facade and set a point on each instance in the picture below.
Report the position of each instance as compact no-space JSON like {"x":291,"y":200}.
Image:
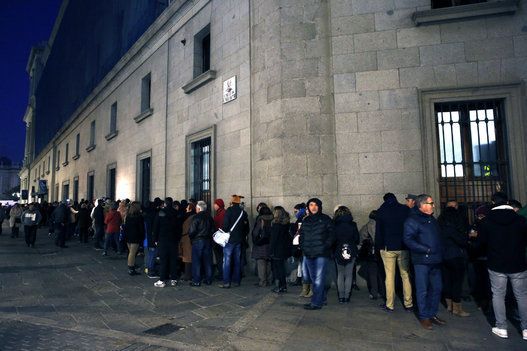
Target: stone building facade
{"x":343,"y":100}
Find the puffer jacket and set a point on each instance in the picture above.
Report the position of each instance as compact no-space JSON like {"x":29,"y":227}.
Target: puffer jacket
{"x":317,"y":234}
{"x":422,"y":236}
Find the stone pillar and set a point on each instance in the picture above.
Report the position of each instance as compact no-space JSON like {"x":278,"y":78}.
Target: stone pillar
{"x":292,"y":120}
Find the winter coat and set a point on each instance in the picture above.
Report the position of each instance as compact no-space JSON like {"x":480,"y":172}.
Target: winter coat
{"x":281,"y":242}
{"x":317,"y":234}
{"x":98,"y":216}
{"x":201,"y":227}
{"x":422,"y":236}
{"x":346,"y":232}
{"x":113,"y":222}
{"x":134,"y":229}
{"x":166,"y":230}
{"x":14,"y":213}
{"x":505,"y":234}
{"x":390,"y":225}
{"x":83,"y":218}
{"x":240,"y":232}
{"x":262,"y":223}
{"x":185,"y":246}
{"x":454,"y":234}
{"x":31,"y":217}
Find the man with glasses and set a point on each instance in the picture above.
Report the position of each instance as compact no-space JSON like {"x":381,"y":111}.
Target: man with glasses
{"x":422,"y":236}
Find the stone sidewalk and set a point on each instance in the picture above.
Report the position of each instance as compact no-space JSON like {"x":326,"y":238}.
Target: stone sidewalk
{"x":74,"y":299}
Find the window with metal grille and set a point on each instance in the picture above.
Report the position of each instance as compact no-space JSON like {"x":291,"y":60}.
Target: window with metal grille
{"x":472,"y":151}
{"x":200,"y":169}
{"x":436,"y":4}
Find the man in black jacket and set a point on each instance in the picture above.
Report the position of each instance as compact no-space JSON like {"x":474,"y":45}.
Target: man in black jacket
{"x":232,"y":250}
{"x":166,"y":237}
{"x":317,"y":236}
{"x":389,"y":240}
{"x":200,"y":233}
{"x":505,"y":234}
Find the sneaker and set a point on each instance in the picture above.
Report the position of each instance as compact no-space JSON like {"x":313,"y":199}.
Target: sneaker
{"x":173,"y":282}
{"x":502,"y":333}
{"x":524,"y":332}
{"x":159,"y":284}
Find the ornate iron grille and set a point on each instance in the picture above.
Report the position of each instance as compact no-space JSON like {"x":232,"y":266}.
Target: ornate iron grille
{"x":201,"y":170}
{"x":472,"y":152}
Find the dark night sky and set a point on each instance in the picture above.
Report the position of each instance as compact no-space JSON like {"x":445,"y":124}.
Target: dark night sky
{"x":23,"y":24}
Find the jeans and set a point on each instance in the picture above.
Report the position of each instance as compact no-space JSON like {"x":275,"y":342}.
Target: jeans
{"x":151,"y":260}
{"x":201,"y":253}
{"x":316,"y":270}
{"x":232,"y":253}
{"x":428,"y":287}
{"x":498,"y":283}
{"x":108,"y":241}
{"x":345,"y":279}
{"x":402,"y":259}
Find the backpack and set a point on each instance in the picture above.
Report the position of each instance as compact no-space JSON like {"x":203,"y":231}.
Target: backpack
{"x":343,"y":254}
{"x":262,"y":236}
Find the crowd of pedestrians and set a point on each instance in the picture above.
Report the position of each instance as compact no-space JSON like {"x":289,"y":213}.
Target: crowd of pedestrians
{"x":432,"y":256}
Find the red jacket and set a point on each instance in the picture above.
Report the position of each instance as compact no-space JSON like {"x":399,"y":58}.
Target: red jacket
{"x":113,"y":221}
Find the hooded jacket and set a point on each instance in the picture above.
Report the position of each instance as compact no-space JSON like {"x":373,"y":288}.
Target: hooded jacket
{"x":317,"y":233}
{"x":423,"y":237}
{"x":505,"y":234}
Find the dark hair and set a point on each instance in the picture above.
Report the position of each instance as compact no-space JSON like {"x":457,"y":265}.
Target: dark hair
{"x":388,"y":196}
{"x":421,"y":199}
{"x":499,"y":198}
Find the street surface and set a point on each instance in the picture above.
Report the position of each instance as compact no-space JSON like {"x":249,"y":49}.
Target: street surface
{"x":75,"y":299}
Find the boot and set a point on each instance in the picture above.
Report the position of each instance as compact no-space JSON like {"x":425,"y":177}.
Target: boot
{"x":306,"y":288}
{"x":449,"y":305}
{"x":457,"y":310}
{"x":310,"y":290}
{"x":132,"y":271}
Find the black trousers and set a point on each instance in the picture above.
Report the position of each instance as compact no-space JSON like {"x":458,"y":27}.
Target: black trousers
{"x":278,"y":268}
{"x":30,"y":234}
{"x":168,"y":254}
{"x":453,"y":275}
{"x":60,"y":231}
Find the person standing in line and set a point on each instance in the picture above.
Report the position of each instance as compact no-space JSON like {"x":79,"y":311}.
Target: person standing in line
{"x":317,"y":236}
{"x":167,"y":235}
{"x":389,"y":239}
{"x":504,"y":233}
{"x":134,"y":229}
{"x":280,"y":247}
{"x":200,"y":234}
{"x":422,"y":236}
{"x":113,"y":223}
{"x":236,"y":222}
{"x":347,"y":239}
{"x":261,"y":236}
{"x":30,"y":219}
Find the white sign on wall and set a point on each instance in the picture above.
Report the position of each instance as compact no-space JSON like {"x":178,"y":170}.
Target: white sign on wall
{"x":229,"y":89}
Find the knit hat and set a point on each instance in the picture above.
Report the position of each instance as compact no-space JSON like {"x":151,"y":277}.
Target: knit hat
{"x":236,"y":199}
{"x":220,"y":203}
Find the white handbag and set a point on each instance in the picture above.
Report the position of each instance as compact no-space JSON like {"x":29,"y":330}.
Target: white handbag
{"x":222,"y":238}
